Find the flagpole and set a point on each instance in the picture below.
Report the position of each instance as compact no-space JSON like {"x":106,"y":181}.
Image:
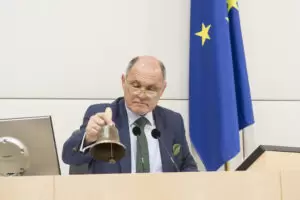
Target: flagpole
{"x":226,"y":166}
{"x":244,"y":148}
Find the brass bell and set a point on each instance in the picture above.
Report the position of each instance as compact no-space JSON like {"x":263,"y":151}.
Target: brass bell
{"x":108,"y":146}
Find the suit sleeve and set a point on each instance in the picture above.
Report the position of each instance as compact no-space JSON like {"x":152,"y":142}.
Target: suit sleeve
{"x":188,"y":163}
{"x":71,"y":153}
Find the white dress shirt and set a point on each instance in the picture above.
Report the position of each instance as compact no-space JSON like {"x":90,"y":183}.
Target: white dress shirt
{"x":153,"y":144}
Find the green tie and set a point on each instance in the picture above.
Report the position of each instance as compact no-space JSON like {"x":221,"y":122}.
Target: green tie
{"x":142,"y":154}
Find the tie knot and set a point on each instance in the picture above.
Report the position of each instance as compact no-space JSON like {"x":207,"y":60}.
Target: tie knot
{"x":141,"y":122}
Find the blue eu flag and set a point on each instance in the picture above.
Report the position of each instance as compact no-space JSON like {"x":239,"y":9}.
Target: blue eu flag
{"x":219,"y":95}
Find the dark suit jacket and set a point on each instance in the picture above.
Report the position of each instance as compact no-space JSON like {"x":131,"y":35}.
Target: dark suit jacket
{"x":168,"y":122}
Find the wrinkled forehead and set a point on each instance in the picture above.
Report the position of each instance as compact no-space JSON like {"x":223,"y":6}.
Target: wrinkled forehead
{"x":146,"y":75}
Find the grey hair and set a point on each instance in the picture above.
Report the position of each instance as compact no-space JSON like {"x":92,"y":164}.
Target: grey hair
{"x":135,"y":59}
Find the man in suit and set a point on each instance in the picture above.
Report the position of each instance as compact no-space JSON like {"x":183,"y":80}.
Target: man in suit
{"x":143,"y":85}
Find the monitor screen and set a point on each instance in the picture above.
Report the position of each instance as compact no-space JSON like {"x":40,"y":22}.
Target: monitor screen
{"x":27,"y":147}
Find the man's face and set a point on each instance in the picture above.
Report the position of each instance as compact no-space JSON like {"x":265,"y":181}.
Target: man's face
{"x":143,"y":86}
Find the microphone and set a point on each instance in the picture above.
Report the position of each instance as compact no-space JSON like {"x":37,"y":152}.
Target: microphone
{"x":156,"y":134}
{"x":137,"y":132}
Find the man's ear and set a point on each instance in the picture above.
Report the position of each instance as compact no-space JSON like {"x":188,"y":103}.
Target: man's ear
{"x":163,"y":88}
{"x":123,"y":80}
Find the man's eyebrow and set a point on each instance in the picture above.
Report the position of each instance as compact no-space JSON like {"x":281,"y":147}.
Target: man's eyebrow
{"x":134,"y":81}
{"x":138,"y":82}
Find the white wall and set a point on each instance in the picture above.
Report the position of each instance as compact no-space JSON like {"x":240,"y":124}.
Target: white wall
{"x":68,"y":48}
{"x":271,"y":32}
{"x":271,"y":38}
{"x":59,"y":56}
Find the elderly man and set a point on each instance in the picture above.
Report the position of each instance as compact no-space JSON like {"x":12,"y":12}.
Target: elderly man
{"x":143,"y":85}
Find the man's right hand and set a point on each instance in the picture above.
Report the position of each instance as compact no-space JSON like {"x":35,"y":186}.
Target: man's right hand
{"x":96,"y":123}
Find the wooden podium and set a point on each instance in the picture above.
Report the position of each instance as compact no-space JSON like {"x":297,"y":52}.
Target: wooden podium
{"x":162,"y":186}
{"x":269,"y":173}
{"x":285,"y":160}
{"x":273,"y":158}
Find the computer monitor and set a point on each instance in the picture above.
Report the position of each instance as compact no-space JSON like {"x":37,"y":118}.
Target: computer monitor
{"x":27,"y":147}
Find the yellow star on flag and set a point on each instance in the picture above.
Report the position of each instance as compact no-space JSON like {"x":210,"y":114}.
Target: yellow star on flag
{"x":204,"y":33}
{"x":232,"y":4}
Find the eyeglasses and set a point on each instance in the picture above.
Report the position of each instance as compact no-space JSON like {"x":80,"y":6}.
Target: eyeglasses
{"x":137,"y":89}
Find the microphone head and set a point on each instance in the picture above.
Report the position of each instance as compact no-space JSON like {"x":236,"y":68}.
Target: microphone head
{"x":136,"y":131}
{"x":155,"y":133}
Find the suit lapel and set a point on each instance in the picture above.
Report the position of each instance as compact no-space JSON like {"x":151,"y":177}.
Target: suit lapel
{"x":165,"y":137}
{"x":121,"y":121}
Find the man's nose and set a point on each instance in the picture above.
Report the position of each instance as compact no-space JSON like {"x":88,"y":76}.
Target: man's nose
{"x":142,"y":94}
